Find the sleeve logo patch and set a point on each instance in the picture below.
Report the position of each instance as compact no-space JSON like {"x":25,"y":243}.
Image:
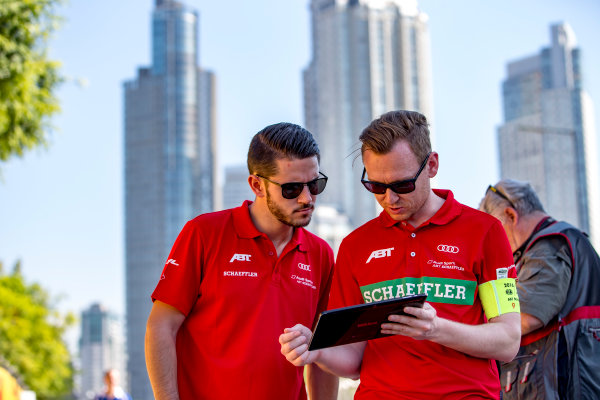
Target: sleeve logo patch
{"x":501,"y":273}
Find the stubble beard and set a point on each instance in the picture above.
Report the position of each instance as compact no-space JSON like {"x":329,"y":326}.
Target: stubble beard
{"x":282,"y":217}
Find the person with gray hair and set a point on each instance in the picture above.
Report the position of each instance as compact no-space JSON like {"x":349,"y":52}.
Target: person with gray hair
{"x":558,"y":274}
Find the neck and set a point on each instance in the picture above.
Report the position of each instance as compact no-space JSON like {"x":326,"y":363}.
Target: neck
{"x":527,"y":225}
{"x":278,"y":232}
{"x":431,"y":206}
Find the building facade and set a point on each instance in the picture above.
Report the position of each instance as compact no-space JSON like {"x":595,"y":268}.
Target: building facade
{"x":368,"y":57}
{"x":169,"y":164}
{"x":548,"y":137}
{"x":236,"y":188}
{"x":101,"y":347}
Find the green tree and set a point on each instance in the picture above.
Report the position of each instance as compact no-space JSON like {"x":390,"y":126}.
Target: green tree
{"x":31,"y":337}
{"x":28,"y":79}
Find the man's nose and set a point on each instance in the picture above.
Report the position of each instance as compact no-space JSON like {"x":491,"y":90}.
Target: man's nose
{"x":390,"y":196}
{"x":305,"y":195}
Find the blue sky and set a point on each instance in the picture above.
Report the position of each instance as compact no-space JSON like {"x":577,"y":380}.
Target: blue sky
{"x":61,"y":208}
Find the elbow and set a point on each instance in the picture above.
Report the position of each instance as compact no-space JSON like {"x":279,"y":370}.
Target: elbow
{"x":354,"y":376}
{"x":511,"y":347}
{"x":508,"y":353}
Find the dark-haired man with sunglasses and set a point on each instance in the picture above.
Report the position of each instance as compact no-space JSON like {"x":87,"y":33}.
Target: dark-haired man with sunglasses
{"x":424,"y":241}
{"x":235,"y":278}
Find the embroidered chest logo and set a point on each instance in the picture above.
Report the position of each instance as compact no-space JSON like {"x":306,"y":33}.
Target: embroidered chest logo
{"x":240,"y":257}
{"x":448,"y":249}
{"x":380,"y":254}
{"x":304,"y":267}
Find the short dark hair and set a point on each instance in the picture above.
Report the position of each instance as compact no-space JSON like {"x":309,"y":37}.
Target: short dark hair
{"x":383,"y":132}
{"x":277,"y":141}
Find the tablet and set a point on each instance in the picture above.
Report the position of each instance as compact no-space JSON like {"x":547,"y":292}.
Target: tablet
{"x":360,"y":322}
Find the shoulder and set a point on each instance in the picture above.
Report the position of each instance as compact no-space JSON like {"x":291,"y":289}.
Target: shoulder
{"x":366,"y":230}
{"x":548,"y":245}
{"x":477,"y":217}
{"x":476,"y":223}
{"x":211,"y":218}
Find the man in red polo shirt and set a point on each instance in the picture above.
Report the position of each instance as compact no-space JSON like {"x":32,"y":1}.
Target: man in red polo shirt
{"x":235,"y":278}
{"x":424,"y":241}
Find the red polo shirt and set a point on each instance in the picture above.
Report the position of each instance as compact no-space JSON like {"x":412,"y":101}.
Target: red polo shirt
{"x":238,"y":296}
{"x":446,"y":257}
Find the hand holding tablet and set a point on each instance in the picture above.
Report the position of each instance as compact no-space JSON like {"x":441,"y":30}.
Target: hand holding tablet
{"x":360,"y":322}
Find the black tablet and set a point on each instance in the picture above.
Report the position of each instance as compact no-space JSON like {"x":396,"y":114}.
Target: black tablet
{"x":357,"y":323}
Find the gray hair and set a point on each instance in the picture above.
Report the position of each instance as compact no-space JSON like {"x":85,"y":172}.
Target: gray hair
{"x":521,"y":194}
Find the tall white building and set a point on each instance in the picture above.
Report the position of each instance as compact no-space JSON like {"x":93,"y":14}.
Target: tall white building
{"x":548,"y":137}
{"x":236,"y":188}
{"x":101,"y":347}
{"x":368,"y":57}
{"x":169,"y":164}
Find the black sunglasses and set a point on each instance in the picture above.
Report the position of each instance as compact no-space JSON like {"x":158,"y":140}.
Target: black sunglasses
{"x":400,"y":187}
{"x":291,"y":190}
{"x":499,"y":193}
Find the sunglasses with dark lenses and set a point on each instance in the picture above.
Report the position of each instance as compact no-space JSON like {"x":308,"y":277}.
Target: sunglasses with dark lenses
{"x":291,"y":190}
{"x":499,"y":193}
{"x":400,"y":187}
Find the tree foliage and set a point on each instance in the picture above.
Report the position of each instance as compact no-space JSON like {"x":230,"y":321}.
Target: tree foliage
{"x":31,"y":337}
{"x":28,"y":78}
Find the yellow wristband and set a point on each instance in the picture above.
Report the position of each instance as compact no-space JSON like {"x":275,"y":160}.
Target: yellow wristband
{"x":499,"y":297}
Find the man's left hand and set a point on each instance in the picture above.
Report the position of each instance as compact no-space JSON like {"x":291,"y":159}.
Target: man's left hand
{"x":420,"y":324}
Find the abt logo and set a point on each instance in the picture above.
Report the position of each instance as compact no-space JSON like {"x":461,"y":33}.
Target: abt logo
{"x":448,"y":249}
{"x":240,"y":257}
{"x":380,"y":254}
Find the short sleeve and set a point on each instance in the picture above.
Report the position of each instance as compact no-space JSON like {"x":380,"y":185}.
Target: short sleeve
{"x":544,"y":278}
{"x":344,"y":289}
{"x":497,"y":256}
{"x":179,"y":283}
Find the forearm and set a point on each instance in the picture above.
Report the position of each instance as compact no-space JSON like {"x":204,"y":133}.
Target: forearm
{"x":161,"y":362}
{"x":321,"y":385}
{"x":344,"y":361}
{"x":499,"y":339}
{"x":529,"y":323}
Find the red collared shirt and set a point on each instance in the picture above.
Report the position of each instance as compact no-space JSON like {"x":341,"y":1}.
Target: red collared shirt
{"x":238,"y":296}
{"x":446,"y":257}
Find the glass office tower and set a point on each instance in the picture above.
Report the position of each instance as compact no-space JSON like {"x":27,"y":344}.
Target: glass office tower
{"x":368,"y":57}
{"x":169,"y":164}
{"x":101,"y":347}
{"x":548,"y":137}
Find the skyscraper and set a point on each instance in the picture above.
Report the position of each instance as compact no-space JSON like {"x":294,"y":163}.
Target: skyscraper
{"x":169,"y":164}
{"x":236,"y":188}
{"x":368,"y":57}
{"x":548,"y":137}
{"x":101,"y":347}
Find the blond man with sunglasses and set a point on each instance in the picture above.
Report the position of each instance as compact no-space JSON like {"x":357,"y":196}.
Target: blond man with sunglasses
{"x":424,"y":241}
{"x":235,"y":278}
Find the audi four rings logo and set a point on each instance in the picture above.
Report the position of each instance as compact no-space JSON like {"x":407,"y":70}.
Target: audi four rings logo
{"x":448,"y":249}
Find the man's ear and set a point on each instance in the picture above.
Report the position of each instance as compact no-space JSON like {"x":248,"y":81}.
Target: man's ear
{"x":511,"y":215}
{"x":434,"y":163}
{"x":256,"y":185}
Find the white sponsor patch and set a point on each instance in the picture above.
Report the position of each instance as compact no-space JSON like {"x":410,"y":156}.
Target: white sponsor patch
{"x":501,"y":273}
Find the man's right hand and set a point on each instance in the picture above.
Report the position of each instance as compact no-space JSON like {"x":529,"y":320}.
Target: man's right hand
{"x":294,"y":345}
